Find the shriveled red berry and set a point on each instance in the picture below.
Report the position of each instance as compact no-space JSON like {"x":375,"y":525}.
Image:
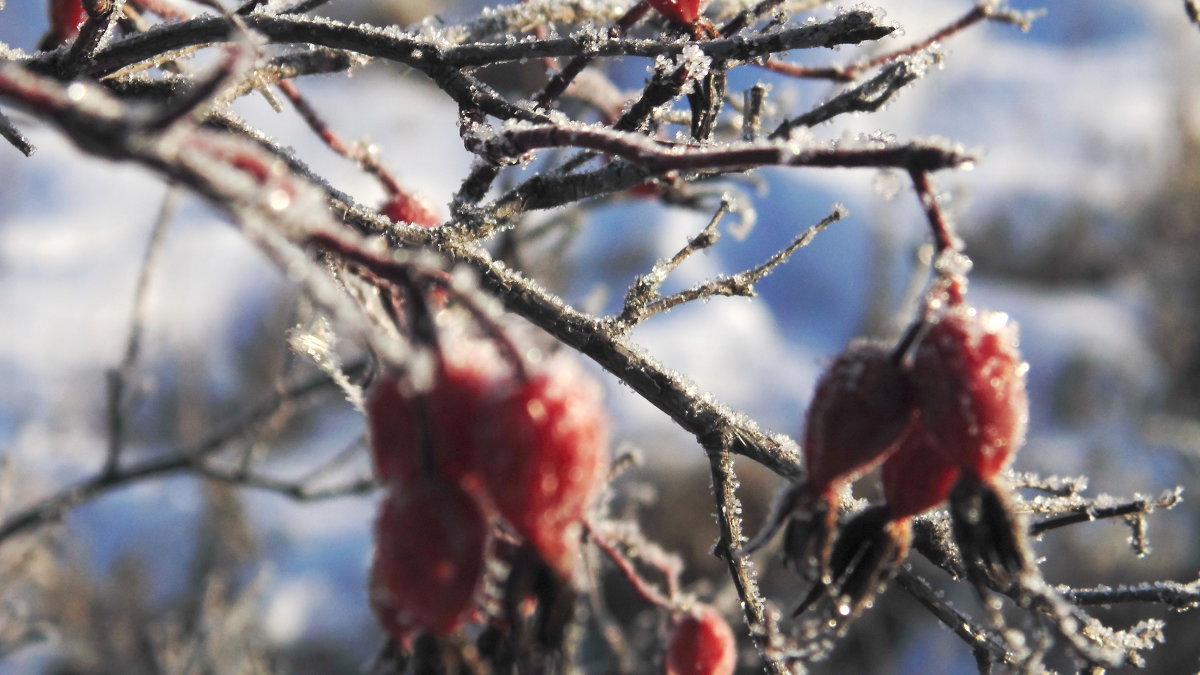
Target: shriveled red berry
{"x":446,"y":417}
{"x":916,"y":477}
{"x":860,"y":408}
{"x":412,"y":208}
{"x":542,"y":456}
{"x":970,"y":382}
{"x":701,"y":643}
{"x":430,"y":539}
{"x":679,"y":11}
{"x":65,"y":17}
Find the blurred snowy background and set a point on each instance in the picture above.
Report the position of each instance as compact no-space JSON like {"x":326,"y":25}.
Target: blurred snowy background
{"x":1083,"y":220}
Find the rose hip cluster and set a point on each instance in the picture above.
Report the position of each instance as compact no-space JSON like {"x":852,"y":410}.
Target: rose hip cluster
{"x":477,"y":446}
{"x":943,"y":413}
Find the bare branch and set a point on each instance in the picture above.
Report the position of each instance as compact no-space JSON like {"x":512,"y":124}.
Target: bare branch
{"x":1181,"y":597}
{"x":760,"y":617}
{"x":982,"y":642}
{"x":742,"y":283}
{"x":1101,"y":508}
{"x":118,"y":377}
{"x":13,"y":135}
{"x":54,"y":507}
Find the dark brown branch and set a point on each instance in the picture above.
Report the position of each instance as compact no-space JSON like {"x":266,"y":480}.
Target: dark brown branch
{"x":434,"y":60}
{"x":1092,"y":511}
{"x":866,"y":97}
{"x":760,"y":618}
{"x":102,"y":14}
{"x":657,"y":158}
{"x":1181,"y":597}
{"x":13,"y":135}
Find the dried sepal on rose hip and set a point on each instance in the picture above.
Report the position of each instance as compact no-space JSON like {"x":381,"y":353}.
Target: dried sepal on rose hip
{"x":701,"y":643}
{"x":970,"y":381}
{"x":433,"y":432}
{"x":430,"y":540}
{"x":872,"y":545}
{"x":860,"y":408}
{"x":543,"y":457}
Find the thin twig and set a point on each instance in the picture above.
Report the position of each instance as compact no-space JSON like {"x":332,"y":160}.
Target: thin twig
{"x":645,"y":289}
{"x":742,"y":283}
{"x":118,"y":377}
{"x":1181,"y":597}
{"x":760,"y":618}
{"x":1091,"y":511}
{"x":869,"y":96}
{"x":978,"y":638}
{"x":55,"y":506}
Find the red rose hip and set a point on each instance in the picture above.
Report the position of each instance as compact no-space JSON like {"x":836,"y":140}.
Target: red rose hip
{"x":861,"y":406}
{"x":446,"y":417}
{"x":65,"y":17}
{"x":970,"y":382}
{"x":701,"y":643}
{"x":683,"y":12}
{"x":859,"y":411}
{"x":916,"y":477}
{"x":406,"y":207}
{"x":542,"y":458}
{"x":429,"y":552}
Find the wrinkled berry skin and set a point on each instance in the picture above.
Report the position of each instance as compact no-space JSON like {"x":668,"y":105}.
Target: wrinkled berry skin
{"x":916,"y":477}
{"x":970,"y":380}
{"x":430,"y":539}
{"x":400,"y":423}
{"x":875,"y":542}
{"x":701,"y":643}
{"x":684,"y":12}
{"x":65,"y":17}
{"x":860,"y":409}
{"x":861,"y":406}
{"x":542,"y":458}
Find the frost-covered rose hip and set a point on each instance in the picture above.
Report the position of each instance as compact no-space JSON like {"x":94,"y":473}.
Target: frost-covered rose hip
{"x":970,"y":382}
{"x":543,"y":458}
{"x":861,"y":407}
{"x":430,"y":538}
{"x":65,"y":17}
{"x":678,"y":11}
{"x":701,"y":643}
{"x":916,"y":477}
{"x":446,"y":417}
{"x":400,"y":423}
{"x":412,"y":208}
{"x":871,"y":546}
